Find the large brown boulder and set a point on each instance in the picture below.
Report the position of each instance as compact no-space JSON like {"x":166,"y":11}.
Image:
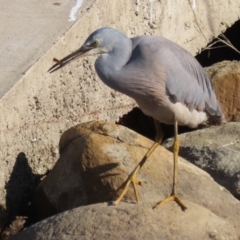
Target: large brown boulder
{"x":226,"y":81}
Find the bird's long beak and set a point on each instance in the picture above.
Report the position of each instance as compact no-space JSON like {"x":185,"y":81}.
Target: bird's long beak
{"x":61,"y":63}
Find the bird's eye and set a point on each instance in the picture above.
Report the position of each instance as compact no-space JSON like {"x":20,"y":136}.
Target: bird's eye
{"x":95,"y":43}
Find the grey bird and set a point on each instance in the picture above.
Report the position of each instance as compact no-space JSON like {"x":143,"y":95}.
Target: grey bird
{"x":165,"y":80}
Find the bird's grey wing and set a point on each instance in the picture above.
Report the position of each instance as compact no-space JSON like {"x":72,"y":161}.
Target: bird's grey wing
{"x":162,"y":63}
{"x":187,"y":81}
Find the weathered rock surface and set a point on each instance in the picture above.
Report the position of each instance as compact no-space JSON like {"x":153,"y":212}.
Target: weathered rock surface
{"x":215,"y":150}
{"x":131,"y":221}
{"x":226,"y":81}
{"x":95,"y":159}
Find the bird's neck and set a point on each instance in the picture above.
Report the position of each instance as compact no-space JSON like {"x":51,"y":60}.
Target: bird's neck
{"x":109,"y":65}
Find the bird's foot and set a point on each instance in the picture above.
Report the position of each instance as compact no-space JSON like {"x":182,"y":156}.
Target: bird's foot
{"x":132,"y":179}
{"x":171,"y":198}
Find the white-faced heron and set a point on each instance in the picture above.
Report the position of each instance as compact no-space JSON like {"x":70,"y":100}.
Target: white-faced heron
{"x":165,"y":80}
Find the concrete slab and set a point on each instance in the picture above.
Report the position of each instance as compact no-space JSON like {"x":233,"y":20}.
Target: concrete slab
{"x":28,"y":28}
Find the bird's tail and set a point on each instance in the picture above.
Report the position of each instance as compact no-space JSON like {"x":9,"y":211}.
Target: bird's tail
{"x":216,"y":117}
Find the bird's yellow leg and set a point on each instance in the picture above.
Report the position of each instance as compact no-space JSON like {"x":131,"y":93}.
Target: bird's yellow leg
{"x":173,"y":196}
{"x":132,"y":178}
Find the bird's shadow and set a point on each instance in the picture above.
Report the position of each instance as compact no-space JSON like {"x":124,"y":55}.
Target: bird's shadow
{"x":19,"y":189}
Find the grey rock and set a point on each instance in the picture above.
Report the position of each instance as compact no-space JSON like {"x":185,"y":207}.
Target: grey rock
{"x":215,"y":150}
{"x":131,"y":221}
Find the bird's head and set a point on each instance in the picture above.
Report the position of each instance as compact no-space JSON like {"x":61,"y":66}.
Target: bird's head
{"x":101,"y":41}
